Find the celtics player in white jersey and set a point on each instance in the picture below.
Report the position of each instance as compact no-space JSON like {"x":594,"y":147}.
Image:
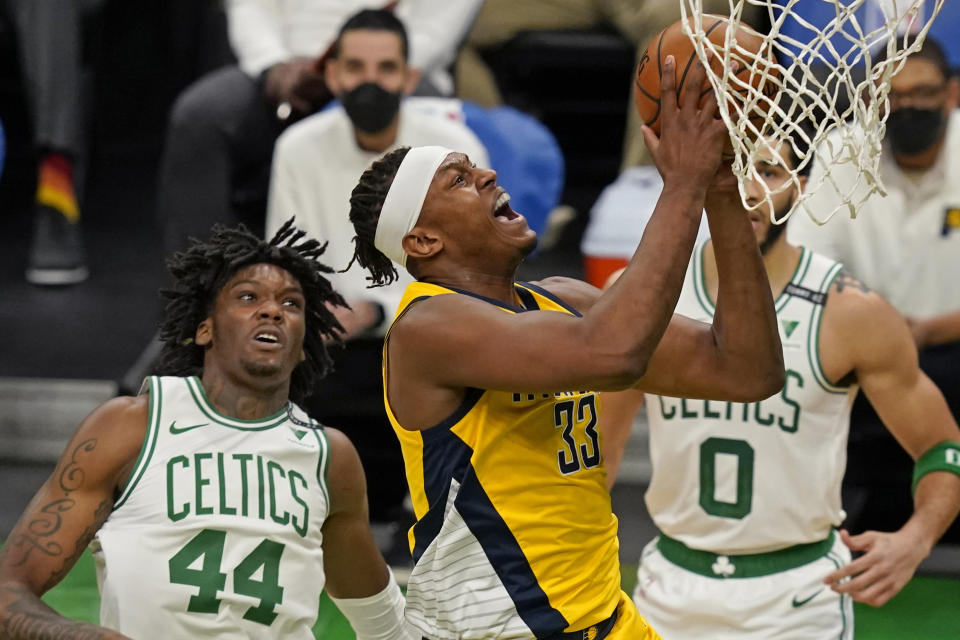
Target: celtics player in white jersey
{"x":214,"y":506}
{"x":747,"y":496}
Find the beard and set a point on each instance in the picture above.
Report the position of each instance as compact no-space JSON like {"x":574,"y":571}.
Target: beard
{"x":261,"y":369}
{"x":775,"y":231}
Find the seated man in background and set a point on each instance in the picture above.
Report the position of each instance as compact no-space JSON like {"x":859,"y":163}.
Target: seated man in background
{"x":906,"y":246}
{"x":747,"y":496}
{"x":316,"y":165}
{"x":223,"y":127}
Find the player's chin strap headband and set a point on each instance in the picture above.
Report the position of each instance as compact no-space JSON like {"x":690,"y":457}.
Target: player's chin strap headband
{"x":401,"y":208}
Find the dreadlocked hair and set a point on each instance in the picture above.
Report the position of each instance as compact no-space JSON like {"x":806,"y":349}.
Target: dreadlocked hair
{"x":205,"y":267}
{"x":366,"y":201}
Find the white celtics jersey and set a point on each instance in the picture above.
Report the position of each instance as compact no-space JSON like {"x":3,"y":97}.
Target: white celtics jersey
{"x":750,"y":478}
{"x":217,"y":531}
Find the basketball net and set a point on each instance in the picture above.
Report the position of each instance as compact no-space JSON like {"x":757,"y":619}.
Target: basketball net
{"x":829,"y":78}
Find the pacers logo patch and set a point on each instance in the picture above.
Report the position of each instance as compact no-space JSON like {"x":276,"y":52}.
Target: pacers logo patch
{"x":591,"y":633}
{"x":951,"y":220}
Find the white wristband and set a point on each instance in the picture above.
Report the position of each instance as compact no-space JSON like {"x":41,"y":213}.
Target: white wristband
{"x":377,"y":617}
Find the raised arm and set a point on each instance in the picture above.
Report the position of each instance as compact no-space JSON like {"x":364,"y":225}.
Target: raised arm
{"x":63,"y":517}
{"x":739,"y":357}
{"x":358,"y":580}
{"x":610,"y":346}
{"x":875,"y":338}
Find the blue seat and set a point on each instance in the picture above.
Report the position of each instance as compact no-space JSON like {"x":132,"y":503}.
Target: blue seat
{"x":526,"y":156}
{"x":820,"y":12}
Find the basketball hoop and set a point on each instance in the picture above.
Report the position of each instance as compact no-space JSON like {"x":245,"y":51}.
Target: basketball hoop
{"x":831,"y":89}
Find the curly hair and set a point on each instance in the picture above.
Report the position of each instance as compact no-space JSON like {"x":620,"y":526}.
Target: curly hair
{"x":201,"y":271}
{"x":366,"y":201}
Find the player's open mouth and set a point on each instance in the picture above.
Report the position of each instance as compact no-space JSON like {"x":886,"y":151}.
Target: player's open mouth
{"x":268,"y":338}
{"x":502,"y":210}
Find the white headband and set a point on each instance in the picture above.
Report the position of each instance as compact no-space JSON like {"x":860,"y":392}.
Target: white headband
{"x":401,"y":208}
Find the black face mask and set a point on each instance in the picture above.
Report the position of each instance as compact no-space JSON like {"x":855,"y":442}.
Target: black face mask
{"x":370,"y":107}
{"x":911,"y":130}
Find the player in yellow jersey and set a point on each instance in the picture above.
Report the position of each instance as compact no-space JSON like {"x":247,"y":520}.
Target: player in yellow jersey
{"x":489,"y":383}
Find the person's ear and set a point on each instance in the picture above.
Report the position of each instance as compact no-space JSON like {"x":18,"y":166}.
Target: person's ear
{"x":412,"y":80}
{"x":802,"y":181}
{"x":422,"y":242}
{"x":204,"y":333}
{"x":330,"y":72}
{"x":953,"y":93}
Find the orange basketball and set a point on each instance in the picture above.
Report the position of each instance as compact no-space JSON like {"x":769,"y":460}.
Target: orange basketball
{"x":673,"y":41}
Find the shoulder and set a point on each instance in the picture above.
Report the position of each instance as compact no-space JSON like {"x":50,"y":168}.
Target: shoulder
{"x":345,"y":479}
{"x":113,"y":434}
{"x":858,"y":314}
{"x":438,"y":120}
{"x":310,"y":131}
{"x":576,"y":293}
{"x":123,"y":414}
{"x":340,"y":445}
{"x":437,"y":313}
{"x":852,"y":297}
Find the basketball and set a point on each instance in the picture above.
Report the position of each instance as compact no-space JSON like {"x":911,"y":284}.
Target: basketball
{"x":673,"y":41}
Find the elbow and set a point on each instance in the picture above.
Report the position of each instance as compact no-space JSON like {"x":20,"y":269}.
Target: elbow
{"x":772,"y":383}
{"x":760,"y":384}
{"x":627,"y":372}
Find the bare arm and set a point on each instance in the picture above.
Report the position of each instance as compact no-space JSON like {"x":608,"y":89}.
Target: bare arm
{"x":353,"y":565}
{"x":876,"y":341}
{"x":63,"y":517}
{"x":608,"y":347}
{"x":618,"y":410}
{"x":358,"y":580}
{"x":738,"y":357}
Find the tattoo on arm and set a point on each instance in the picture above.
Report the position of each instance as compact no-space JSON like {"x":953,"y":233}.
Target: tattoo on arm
{"x":845,"y":279}
{"x":99,"y":516}
{"x":49,"y":521}
{"x":26,"y":616}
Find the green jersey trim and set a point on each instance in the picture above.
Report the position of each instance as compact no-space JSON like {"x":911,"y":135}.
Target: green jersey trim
{"x":149,"y":442}
{"x":205,"y":406}
{"x":323,"y":459}
{"x":700,"y":279}
{"x":813,"y":339}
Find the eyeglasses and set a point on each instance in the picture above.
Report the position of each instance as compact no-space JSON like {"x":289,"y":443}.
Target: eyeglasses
{"x":924,"y":94}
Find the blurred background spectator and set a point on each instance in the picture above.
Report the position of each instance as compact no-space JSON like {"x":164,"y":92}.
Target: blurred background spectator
{"x":906,"y":246}
{"x":49,"y":42}
{"x":216,"y":162}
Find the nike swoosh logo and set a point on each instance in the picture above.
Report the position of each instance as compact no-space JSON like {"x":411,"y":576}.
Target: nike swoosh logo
{"x":175,"y":430}
{"x":800,"y":603}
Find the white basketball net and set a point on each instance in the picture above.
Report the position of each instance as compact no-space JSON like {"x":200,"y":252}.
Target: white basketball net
{"x":845,"y":49}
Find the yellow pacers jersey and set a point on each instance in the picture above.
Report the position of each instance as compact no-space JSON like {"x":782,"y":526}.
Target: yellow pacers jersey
{"x":514,"y":535}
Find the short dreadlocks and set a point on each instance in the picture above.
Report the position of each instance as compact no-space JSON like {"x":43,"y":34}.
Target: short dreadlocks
{"x":366,"y":201}
{"x":205,"y":267}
